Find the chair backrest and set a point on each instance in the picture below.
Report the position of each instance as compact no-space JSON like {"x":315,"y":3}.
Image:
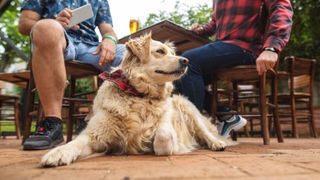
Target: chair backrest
{"x":301,"y":71}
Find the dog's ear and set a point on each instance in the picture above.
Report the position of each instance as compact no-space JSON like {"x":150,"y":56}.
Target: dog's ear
{"x":171,"y":46}
{"x":140,"y":47}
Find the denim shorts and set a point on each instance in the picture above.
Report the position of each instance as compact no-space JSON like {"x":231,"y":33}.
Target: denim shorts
{"x":83,"y":52}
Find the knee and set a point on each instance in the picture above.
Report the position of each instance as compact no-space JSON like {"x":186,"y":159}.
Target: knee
{"x":190,"y":55}
{"x":46,"y":33}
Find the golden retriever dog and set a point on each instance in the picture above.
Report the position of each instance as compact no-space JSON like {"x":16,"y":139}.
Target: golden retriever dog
{"x":142,"y":117}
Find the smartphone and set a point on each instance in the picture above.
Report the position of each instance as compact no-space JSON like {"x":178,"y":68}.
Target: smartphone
{"x":81,"y":14}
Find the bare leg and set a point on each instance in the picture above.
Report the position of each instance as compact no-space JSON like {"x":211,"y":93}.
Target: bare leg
{"x":48,"y":65}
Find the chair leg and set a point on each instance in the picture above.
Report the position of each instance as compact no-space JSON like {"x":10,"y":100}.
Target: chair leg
{"x":276,"y":120}
{"x":214,"y":100}
{"x":263,"y":111}
{"x":242,"y":110}
{"x":234,"y":103}
{"x":40,"y":113}
{"x":312,"y":122}
{"x":71,"y":110}
{"x":28,"y":108}
{"x":293,"y":118}
{"x":17,"y":119}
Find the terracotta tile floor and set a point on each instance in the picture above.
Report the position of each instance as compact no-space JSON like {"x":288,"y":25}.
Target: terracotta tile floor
{"x":294,"y":159}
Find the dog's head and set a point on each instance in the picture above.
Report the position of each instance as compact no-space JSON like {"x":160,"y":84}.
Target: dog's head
{"x":151,"y":66}
{"x":154,"y":59}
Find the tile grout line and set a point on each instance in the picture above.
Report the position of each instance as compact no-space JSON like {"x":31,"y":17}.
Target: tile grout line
{"x":244,"y":171}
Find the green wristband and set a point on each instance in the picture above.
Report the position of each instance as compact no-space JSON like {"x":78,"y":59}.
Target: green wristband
{"x":111,"y":38}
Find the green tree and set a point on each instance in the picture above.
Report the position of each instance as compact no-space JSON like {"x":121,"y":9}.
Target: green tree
{"x":183,"y":15}
{"x":305,"y":36}
{"x":9,"y":26}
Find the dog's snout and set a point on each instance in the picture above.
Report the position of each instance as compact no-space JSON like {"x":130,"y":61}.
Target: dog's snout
{"x":184,"y":61}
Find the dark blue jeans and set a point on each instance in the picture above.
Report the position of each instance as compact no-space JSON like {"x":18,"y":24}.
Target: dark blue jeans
{"x":203,"y":61}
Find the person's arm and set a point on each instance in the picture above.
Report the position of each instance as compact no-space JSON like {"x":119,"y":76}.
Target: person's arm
{"x":278,"y":33}
{"x":27,"y":19}
{"x":205,"y":29}
{"x":280,"y":24}
{"x":210,"y":28}
{"x":107,"y":47}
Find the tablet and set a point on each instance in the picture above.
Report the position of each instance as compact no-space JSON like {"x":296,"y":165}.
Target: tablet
{"x":81,"y":14}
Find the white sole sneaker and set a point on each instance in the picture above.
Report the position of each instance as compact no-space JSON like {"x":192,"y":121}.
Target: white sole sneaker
{"x":227,"y":127}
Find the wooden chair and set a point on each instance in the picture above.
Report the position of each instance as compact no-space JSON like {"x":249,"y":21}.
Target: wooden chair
{"x":248,"y":73}
{"x":297,"y":102}
{"x":75,"y":70}
{"x":9,"y":110}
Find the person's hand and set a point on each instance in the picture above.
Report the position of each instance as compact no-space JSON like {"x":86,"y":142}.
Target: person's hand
{"x":266,"y":61}
{"x":197,"y":28}
{"x":64,"y":19}
{"x":107,"y":51}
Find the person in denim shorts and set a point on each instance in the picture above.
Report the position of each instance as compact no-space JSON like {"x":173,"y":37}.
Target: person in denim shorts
{"x":54,"y":42}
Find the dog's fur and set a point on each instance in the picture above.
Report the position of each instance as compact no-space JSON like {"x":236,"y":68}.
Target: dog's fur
{"x":156,"y":123}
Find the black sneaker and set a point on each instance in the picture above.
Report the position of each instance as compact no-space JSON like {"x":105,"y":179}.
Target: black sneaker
{"x":48,"y":134}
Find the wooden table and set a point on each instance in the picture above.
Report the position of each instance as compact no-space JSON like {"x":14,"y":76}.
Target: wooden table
{"x":182,"y":38}
{"x":20,"y":78}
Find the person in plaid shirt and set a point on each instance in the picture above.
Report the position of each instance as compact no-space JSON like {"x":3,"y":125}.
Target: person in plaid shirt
{"x":247,"y":32}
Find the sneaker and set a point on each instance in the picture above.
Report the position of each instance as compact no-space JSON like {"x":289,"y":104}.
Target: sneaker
{"x":235,"y":123}
{"x":48,"y":134}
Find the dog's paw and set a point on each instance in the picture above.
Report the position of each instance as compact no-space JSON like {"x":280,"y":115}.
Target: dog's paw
{"x":163,"y":146}
{"x":218,"y":145}
{"x":63,"y":155}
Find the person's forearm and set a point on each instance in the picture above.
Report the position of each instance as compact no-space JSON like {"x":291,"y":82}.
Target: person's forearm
{"x":25,"y":25}
{"x":111,"y":33}
{"x":106,"y":29}
{"x":210,"y":28}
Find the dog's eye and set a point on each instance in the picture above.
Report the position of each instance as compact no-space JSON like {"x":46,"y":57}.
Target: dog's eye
{"x":161,"y":51}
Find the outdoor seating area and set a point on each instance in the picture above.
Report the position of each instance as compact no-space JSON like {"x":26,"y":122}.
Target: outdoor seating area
{"x":281,"y":108}
{"x":184,"y":40}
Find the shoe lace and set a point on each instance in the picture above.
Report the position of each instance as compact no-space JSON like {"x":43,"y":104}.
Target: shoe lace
{"x":43,"y":127}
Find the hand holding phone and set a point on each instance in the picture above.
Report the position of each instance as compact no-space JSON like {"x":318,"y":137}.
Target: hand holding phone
{"x":80,"y":14}
{"x":70,"y":18}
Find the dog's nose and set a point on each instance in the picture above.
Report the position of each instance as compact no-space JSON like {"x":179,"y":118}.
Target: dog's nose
{"x":183,"y":61}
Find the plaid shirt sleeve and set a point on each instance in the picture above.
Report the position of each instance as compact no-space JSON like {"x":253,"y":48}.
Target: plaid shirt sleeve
{"x":279,"y":29}
{"x":210,"y":28}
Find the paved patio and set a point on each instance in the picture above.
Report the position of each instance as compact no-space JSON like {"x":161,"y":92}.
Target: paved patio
{"x":294,"y":159}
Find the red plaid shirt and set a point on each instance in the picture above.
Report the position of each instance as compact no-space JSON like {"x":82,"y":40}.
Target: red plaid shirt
{"x":243,"y":23}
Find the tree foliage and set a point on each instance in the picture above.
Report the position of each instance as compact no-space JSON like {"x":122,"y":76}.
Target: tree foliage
{"x":9,"y":26}
{"x":183,"y":15}
{"x":305,"y":36}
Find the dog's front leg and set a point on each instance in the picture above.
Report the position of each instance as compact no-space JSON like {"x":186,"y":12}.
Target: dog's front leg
{"x":165,"y":140}
{"x":66,"y":154}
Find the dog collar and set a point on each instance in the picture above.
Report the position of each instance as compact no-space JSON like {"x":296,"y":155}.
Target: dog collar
{"x":118,"y":79}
